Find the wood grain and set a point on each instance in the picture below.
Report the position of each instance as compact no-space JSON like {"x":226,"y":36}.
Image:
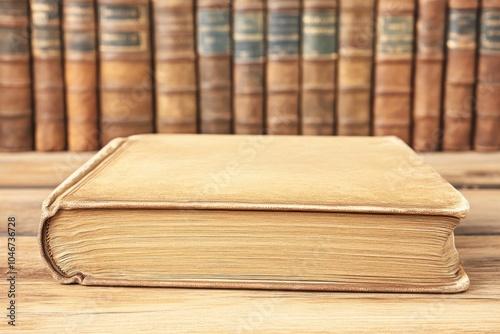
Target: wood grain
{"x":35,"y":169}
{"x":48,"y":307}
{"x":467,"y":168}
{"x":25,"y":205}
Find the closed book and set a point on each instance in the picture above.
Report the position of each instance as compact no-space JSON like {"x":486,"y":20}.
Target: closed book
{"x":394,"y":68}
{"x":460,"y":78}
{"x":256,"y":212}
{"x":16,"y":117}
{"x":48,"y":77}
{"x":487,"y":134}
{"x":283,"y":67}
{"x":356,"y":41}
{"x":428,"y":81}
{"x":248,"y":66}
{"x":175,"y":66}
{"x":80,"y":73}
{"x":319,"y":67}
{"x":214,"y":65}
{"x":125,"y":69}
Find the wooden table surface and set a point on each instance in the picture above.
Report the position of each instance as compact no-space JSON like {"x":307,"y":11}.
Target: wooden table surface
{"x":44,"y":306}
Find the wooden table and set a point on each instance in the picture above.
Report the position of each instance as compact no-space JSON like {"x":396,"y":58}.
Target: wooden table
{"x":44,"y":306}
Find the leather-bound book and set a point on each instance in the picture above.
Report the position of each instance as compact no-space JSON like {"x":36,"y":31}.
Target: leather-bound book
{"x":319,"y":67}
{"x":356,"y":41}
{"x":48,"y":77}
{"x":214,"y":65}
{"x":80,"y":71}
{"x":394,"y":68}
{"x":460,"y":77}
{"x":248,"y":68}
{"x":125,"y":69}
{"x":283,"y":67}
{"x":428,"y":81}
{"x":175,"y":66}
{"x":354,"y":222}
{"x":16,"y":118}
{"x":487,"y":134}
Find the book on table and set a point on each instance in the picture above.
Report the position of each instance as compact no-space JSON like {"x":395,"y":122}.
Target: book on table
{"x":257,"y":212}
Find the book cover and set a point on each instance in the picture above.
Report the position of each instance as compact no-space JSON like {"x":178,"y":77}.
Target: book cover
{"x":48,"y":76}
{"x":214,"y":65}
{"x":356,"y":42}
{"x":460,"y":78}
{"x":283,"y":67}
{"x":428,"y":77}
{"x":487,"y":134}
{"x":394,"y":68}
{"x":319,"y":67}
{"x":16,"y":117}
{"x":175,"y":66}
{"x":376,"y":227}
{"x":80,"y":74}
{"x":125,"y":68}
{"x":248,"y":66}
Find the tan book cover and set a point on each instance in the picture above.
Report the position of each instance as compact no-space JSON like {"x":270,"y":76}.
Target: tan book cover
{"x":125,"y":71}
{"x":319,"y":67}
{"x":175,"y":66}
{"x":259,"y":212}
{"x":460,"y":78}
{"x":428,"y":76}
{"x":16,"y":117}
{"x":80,"y":74}
{"x":48,"y":76}
{"x":356,"y":38}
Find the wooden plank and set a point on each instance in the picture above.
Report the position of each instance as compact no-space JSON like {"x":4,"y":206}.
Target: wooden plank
{"x":25,"y":205}
{"x":467,"y":168}
{"x":484,"y":215}
{"x":45,"y":306}
{"x":34,"y":169}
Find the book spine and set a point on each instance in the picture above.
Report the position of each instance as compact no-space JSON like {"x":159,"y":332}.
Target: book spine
{"x":80,"y":74}
{"x":175,"y":66}
{"x":460,"y":75}
{"x":48,"y":78}
{"x":16,"y":120}
{"x":125,"y":75}
{"x":248,"y":70}
{"x":487,"y":134}
{"x":429,"y":66}
{"x":393,"y":68}
{"x":214,"y":65}
{"x":283,"y":67}
{"x":356,"y":40}
{"x":319,"y":67}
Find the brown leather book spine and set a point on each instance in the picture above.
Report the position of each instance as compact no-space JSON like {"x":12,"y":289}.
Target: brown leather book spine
{"x":429,"y":65}
{"x":80,"y":73}
{"x":248,"y":68}
{"x":283,"y":67}
{"x":319,"y":66}
{"x":48,"y":78}
{"x":393,"y":68}
{"x":175,"y":66}
{"x":214,"y":65}
{"x":125,"y":75}
{"x":356,"y":40}
{"x":460,"y":75}
{"x":487,"y":134}
{"x":16,"y":119}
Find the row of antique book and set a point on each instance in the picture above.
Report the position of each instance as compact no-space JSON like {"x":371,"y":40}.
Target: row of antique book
{"x":75,"y":74}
